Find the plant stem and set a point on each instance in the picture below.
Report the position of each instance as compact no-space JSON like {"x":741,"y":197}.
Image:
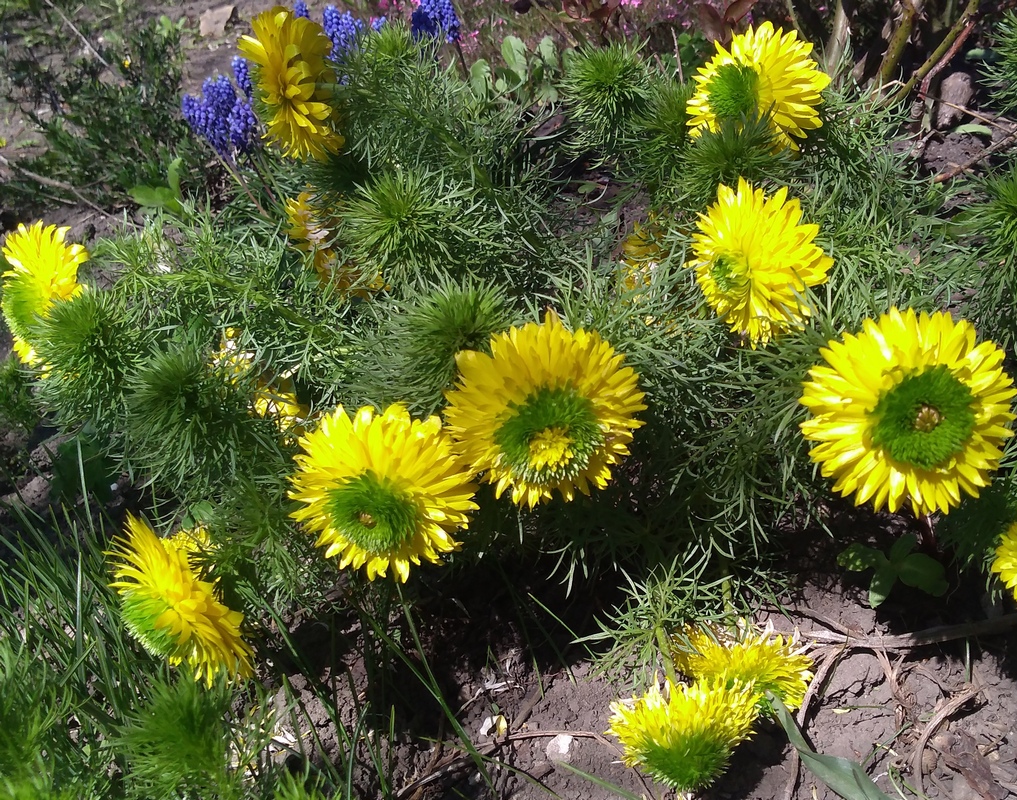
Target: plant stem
{"x":794,"y":19}
{"x":665,"y":653}
{"x":961,"y":28}
{"x":725,"y":584}
{"x":897,"y":43}
{"x":243,"y":185}
{"x":840,"y":35}
{"x":462,"y":60}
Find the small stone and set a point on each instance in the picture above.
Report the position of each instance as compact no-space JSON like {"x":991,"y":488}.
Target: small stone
{"x":214,"y":21}
{"x":955,"y":92}
{"x":558,"y":748}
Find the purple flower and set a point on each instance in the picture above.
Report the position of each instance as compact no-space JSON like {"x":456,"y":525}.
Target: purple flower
{"x":433,"y":18}
{"x":242,"y":72}
{"x":218,"y":116}
{"x":300,"y":10}
{"x":377,"y":23}
{"x":342,"y":29}
{"x":243,"y":126}
{"x":191,"y":108}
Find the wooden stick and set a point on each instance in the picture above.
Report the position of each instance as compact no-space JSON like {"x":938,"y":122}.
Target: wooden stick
{"x":937,"y":635}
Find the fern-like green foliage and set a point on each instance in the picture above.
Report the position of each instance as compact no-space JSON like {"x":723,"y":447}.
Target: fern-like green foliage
{"x":34,"y":741}
{"x":189,"y":423}
{"x":178,"y":742}
{"x":89,"y":348}
{"x":606,"y":90}
{"x":412,"y":358}
{"x":409,"y":223}
{"x":737,"y":149}
{"x":1001,"y":74}
{"x":973,"y":529}
{"x":660,"y":136}
{"x":994,"y":222}
{"x":17,"y":405}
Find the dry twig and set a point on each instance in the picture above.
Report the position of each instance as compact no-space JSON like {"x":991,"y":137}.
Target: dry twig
{"x":949,"y":708}
{"x":826,"y":666}
{"x":79,"y":34}
{"x":906,"y":641}
{"x":55,"y":184}
{"x":988,"y":151}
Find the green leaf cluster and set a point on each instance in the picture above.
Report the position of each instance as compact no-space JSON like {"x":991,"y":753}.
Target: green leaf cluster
{"x":910,"y":568}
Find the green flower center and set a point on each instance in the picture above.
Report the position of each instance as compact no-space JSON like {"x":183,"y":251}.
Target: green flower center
{"x":724,"y":274}
{"x":732,"y":91}
{"x":373,"y":513}
{"x":550,"y":436}
{"x":688,"y":760}
{"x":925,"y":419}
{"x":140,"y":612}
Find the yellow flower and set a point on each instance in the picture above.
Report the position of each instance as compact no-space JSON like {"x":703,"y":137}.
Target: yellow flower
{"x":291,"y":74}
{"x":381,"y":490}
{"x":274,"y":396}
{"x":909,"y":409}
{"x":310,"y":235}
{"x":1005,"y":563}
{"x":758,"y":661}
{"x":641,"y":255}
{"x":766,"y":72}
{"x":547,"y":410}
{"x":684,"y":741}
{"x":43,"y":271}
{"x":170,"y":610}
{"x":753,"y":261}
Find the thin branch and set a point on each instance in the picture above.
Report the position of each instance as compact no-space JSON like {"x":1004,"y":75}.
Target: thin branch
{"x":947,"y":48}
{"x":840,"y":35}
{"x":80,"y":35}
{"x":488,"y":749}
{"x":937,"y":635}
{"x":948,"y":710}
{"x":55,"y":184}
{"x":988,"y":151}
{"x":898,"y":41}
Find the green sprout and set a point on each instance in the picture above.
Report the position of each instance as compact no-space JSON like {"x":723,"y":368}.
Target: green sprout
{"x":912,"y":569}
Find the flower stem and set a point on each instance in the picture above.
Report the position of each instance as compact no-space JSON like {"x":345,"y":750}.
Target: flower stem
{"x":899,"y":40}
{"x":951,"y":42}
{"x":665,"y":653}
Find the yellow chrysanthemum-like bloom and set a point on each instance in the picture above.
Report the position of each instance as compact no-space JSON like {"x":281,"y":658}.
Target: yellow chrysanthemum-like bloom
{"x":764,"y":663}
{"x":291,"y":76}
{"x":640,"y":256}
{"x":753,"y":261}
{"x":44,"y":270}
{"x":310,"y":235}
{"x":765,"y":72}
{"x":170,"y":610}
{"x":909,"y":409}
{"x":382,"y":490}
{"x":1005,"y":563}
{"x":684,"y":741}
{"x":274,"y":396}
{"x":547,"y":410}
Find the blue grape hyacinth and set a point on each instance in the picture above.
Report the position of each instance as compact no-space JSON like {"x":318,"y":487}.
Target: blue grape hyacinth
{"x":342,"y":28}
{"x":220,"y":117}
{"x":242,"y":72}
{"x":433,"y":18}
{"x":300,"y":10}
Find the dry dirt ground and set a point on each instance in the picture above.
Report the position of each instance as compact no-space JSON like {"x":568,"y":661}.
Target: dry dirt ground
{"x":938,"y":717}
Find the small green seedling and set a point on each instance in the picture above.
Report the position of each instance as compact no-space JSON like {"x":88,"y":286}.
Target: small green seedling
{"x":913,"y":569}
{"x":167,"y":197}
